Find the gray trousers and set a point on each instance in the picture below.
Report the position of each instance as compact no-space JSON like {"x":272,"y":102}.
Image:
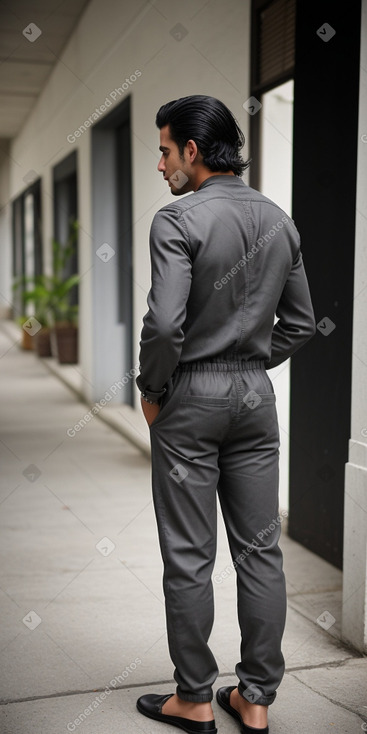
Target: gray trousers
{"x":217,"y":430}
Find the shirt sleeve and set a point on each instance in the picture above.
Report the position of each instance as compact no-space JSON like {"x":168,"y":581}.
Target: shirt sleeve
{"x":162,"y":335}
{"x":296,"y":321}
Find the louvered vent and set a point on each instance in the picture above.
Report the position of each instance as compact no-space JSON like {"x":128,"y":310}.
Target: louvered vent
{"x":276,"y":41}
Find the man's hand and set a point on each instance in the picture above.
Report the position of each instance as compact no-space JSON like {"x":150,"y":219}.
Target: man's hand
{"x":150,"y":411}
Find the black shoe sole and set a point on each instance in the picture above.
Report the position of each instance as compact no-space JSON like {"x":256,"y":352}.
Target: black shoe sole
{"x":178,"y":721}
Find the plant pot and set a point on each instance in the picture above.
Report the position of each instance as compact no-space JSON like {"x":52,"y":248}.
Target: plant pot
{"x":27,"y":341}
{"x":53,"y":344}
{"x":43,"y":342}
{"x":65,"y":339}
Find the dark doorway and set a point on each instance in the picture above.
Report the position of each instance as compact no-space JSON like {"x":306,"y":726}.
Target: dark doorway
{"x":326,"y":93}
{"x":66,"y":212}
{"x":113,"y":271}
{"x":27,"y":244}
{"x":125,"y":269}
{"x":322,"y":56}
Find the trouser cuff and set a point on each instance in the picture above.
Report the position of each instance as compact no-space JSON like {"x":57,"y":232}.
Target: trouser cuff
{"x":253,"y":695}
{"x":194,"y":697}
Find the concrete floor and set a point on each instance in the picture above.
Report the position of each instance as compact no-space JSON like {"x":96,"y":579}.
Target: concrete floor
{"x":81,"y":591}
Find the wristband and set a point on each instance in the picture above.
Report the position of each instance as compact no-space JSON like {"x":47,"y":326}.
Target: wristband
{"x":151,"y":402}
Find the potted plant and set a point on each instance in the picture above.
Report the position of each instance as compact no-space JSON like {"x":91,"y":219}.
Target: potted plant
{"x":40,"y":296}
{"x":27,"y":340}
{"x":51,"y":297}
{"x":64,"y":331}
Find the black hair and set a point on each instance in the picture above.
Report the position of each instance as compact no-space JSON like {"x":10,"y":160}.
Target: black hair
{"x":211,"y":125}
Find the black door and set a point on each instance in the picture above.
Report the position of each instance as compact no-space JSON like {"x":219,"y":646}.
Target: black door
{"x":326,"y":85}
{"x":317,"y":44}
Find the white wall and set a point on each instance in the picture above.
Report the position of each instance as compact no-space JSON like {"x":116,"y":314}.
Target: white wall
{"x":354,"y":621}
{"x":112,"y":40}
{"x":276,"y":183}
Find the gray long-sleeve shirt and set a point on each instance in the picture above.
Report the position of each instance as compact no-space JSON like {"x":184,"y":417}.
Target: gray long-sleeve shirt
{"x":224,"y":261}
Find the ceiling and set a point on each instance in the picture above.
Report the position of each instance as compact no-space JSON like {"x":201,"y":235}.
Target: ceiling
{"x":32,"y":37}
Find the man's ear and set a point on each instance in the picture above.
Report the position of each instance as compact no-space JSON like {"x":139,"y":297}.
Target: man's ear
{"x":193,"y":151}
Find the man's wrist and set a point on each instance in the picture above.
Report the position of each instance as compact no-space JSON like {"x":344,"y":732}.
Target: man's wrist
{"x":147,"y":400}
{"x":147,"y":394}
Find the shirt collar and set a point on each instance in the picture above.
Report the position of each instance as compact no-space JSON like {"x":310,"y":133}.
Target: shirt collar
{"x":219,"y":179}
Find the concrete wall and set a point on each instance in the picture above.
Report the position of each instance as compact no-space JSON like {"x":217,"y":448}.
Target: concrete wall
{"x":179,"y":49}
{"x":276,"y":156}
{"x":354,"y":627}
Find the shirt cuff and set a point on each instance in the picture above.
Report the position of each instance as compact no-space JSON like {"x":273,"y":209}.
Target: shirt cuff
{"x":148,"y":393}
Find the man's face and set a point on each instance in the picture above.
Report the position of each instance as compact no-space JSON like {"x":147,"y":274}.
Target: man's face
{"x":176,"y":170}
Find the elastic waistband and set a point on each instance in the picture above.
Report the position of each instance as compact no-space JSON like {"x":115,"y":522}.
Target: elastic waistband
{"x":221,"y":364}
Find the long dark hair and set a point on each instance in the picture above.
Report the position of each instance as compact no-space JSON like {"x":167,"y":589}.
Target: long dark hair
{"x":213,"y":127}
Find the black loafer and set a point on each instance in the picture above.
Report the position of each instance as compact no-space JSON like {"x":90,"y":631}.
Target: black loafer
{"x":223,"y":696}
{"x":151,"y":706}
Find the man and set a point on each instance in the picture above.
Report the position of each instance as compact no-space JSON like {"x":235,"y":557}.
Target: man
{"x":225,"y":260}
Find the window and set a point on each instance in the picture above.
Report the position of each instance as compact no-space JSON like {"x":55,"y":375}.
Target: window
{"x":27,"y":240}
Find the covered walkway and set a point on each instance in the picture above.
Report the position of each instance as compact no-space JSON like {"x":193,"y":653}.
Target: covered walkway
{"x":83,"y":627}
